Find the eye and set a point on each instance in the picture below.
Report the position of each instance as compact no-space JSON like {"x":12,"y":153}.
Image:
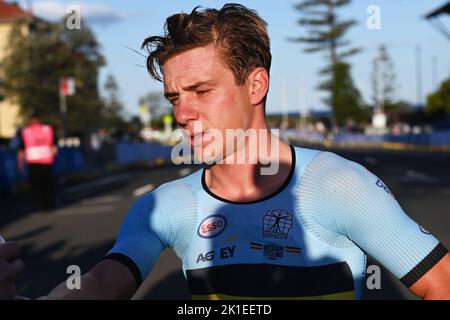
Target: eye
{"x":173,"y":101}
{"x":203,"y":92}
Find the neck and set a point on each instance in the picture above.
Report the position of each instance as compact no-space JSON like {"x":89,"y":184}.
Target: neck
{"x":251,"y":181}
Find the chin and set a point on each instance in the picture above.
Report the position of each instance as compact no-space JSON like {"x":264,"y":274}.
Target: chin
{"x":207,"y":154}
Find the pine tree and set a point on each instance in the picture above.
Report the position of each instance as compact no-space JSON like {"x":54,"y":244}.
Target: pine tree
{"x":383,"y":81}
{"x":326,"y":33}
{"x":113,"y":108}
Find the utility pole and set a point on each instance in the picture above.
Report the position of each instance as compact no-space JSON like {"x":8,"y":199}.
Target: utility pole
{"x":434,"y":72}
{"x":66,"y":88}
{"x":302,"y":103}
{"x":419,"y":75}
{"x":284,"y":103}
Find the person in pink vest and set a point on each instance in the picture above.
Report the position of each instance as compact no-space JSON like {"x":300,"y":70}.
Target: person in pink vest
{"x":38,"y":150}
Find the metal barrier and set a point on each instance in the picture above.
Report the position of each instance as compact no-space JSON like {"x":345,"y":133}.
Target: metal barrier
{"x":68,"y":160}
{"x":135,"y":152}
{"x":76,"y":159}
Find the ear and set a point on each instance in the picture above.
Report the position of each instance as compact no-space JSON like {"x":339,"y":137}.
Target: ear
{"x":258,"y":81}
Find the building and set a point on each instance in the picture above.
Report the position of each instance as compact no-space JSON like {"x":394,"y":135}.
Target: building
{"x":9,"y":112}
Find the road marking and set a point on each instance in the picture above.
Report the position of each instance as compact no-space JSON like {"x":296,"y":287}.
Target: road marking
{"x":73,"y":210}
{"x":184,"y":172}
{"x":98,"y":183}
{"x":419,"y":176}
{"x":79,"y":211}
{"x":140,"y":191}
{"x":102,"y":200}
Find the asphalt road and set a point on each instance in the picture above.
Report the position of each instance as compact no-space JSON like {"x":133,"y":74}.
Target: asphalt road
{"x":85,"y":225}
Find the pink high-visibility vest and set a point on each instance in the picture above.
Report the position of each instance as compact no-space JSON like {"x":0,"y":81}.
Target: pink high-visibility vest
{"x":38,"y":140}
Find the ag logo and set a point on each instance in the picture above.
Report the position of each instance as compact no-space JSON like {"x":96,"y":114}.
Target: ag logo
{"x":276,"y":224}
{"x":212,"y":226}
{"x":223,"y":253}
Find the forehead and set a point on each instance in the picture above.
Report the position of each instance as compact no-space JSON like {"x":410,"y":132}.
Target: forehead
{"x":194,"y":65}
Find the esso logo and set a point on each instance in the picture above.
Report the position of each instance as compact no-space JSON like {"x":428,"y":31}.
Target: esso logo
{"x":212,"y":226}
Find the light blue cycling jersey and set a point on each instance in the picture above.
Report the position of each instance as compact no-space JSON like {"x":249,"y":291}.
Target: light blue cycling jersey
{"x":307,"y":240}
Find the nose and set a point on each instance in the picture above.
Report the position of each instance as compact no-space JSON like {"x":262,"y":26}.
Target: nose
{"x":185,"y":111}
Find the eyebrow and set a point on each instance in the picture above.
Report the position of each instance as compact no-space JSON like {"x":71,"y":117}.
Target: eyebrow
{"x":191,"y":87}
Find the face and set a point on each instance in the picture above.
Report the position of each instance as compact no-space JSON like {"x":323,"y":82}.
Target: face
{"x":203,"y":93}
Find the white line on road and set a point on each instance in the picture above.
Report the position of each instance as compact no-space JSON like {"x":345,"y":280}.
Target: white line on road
{"x":74,"y":211}
{"x":140,"y":191}
{"x":102,"y":200}
{"x":78,"y":211}
{"x":419,"y":176}
{"x":97,"y":183}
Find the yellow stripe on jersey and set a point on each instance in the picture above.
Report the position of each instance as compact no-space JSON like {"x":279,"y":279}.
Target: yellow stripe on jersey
{"x":348,"y":295}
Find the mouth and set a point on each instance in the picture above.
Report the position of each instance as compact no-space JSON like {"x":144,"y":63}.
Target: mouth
{"x":196,"y":139}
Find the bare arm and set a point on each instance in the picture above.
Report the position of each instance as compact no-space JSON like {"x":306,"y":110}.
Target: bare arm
{"x":21,"y":160}
{"x":109,"y":279}
{"x":435,"y":284}
{"x":54,"y":150}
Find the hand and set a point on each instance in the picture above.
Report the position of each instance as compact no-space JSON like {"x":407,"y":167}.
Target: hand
{"x":10,"y":267}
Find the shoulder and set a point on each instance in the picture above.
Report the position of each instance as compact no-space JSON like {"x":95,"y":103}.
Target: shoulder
{"x":177,"y":193}
{"x":182,"y":187}
{"x":319,"y":163}
{"x":332,"y":167}
{"x":167,"y":210}
{"x":338,"y":184}
{"x":346,"y":188}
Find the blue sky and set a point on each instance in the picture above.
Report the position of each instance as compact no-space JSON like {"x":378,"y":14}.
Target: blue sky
{"x":118,"y":24}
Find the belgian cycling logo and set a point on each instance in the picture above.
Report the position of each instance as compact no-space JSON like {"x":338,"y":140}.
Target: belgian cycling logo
{"x":212,"y":226}
{"x":274,"y":251}
{"x":276,"y":224}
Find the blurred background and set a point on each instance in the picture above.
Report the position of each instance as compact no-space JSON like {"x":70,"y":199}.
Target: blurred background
{"x":369,"y":80}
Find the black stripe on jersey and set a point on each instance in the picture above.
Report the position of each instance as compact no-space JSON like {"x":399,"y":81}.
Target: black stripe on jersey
{"x":266,"y":280}
{"x":424,"y":266}
{"x":127,"y":262}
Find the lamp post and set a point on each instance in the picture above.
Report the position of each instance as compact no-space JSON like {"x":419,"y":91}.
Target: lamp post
{"x":66,"y":88}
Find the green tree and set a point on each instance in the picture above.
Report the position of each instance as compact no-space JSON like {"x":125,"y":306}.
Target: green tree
{"x":438,"y":103}
{"x":384,"y":81}
{"x":344,"y":95}
{"x":326,"y":33}
{"x":36,"y":61}
{"x":113,"y":107}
